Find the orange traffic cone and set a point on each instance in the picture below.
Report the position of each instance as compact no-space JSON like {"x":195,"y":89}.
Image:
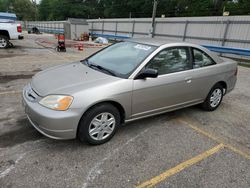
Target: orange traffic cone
{"x":80,"y":47}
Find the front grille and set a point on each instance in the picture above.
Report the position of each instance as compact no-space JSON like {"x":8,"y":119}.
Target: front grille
{"x":31,"y":94}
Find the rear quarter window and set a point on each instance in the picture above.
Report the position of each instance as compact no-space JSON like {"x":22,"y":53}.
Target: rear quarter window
{"x":201,"y":59}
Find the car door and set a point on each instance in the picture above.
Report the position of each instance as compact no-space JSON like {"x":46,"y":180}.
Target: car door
{"x":171,"y":89}
{"x":205,"y":73}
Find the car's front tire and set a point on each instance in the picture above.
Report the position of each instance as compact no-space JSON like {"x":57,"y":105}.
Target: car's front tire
{"x":214,"y":98}
{"x":98,"y":125}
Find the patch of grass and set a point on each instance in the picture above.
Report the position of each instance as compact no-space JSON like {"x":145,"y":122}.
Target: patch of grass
{"x":244,"y":65}
{"x":241,"y":62}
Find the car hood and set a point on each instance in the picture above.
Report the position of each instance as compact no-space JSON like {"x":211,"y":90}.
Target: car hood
{"x":68,"y":79}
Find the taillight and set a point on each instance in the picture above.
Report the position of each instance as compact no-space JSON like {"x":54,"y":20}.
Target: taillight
{"x":236,"y":71}
{"x":19,"y":29}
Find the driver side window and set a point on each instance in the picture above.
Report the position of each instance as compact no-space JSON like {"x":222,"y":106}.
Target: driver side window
{"x":171,"y":60}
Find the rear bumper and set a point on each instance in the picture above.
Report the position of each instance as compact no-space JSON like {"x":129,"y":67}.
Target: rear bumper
{"x":16,"y":36}
{"x":231,"y":84}
{"x":53,"y":124}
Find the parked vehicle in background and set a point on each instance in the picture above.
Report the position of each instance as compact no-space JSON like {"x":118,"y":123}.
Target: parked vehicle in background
{"x":124,"y":82}
{"x":9,"y":30}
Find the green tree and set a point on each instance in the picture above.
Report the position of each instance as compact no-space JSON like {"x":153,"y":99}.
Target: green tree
{"x":127,"y":8}
{"x":24,"y":9}
{"x":4,"y":5}
{"x":242,"y":7}
{"x":63,"y":9}
{"x":45,"y":9}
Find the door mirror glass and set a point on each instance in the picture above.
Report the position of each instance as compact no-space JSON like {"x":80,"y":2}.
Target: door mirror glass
{"x":147,"y":73}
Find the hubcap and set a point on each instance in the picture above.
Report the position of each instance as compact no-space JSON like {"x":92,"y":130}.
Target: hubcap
{"x":215,"y":98}
{"x":102,"y":126}
{"x":3,"y":43}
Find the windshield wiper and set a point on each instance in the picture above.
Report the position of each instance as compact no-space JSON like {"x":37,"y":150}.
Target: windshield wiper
{"x":89,"y":64}
{"x":101,"y":68}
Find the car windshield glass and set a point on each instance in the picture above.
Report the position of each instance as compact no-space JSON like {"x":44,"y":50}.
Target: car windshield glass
{"x":121,"y":58}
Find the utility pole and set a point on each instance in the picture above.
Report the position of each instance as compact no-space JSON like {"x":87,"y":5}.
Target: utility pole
{"x":35,"y":4}
{"x":153,"y":18}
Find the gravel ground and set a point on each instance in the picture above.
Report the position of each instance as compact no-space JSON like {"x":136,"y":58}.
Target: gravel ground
{"x":139,"y":151}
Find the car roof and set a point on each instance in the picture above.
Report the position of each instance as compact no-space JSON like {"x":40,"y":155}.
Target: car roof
{"x":156,"y":41}
{"x":172,"y":43}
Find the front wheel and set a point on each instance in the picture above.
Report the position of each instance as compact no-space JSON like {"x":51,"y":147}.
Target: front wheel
{"x":214,"y":98}
{"x":98,"y":125}
{"x":4,"y":41}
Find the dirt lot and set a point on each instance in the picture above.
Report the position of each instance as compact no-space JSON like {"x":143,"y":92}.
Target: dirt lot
{"x":185,"y":148}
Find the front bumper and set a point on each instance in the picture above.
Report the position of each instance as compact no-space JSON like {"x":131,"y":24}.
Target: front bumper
{"x":51,"y":123}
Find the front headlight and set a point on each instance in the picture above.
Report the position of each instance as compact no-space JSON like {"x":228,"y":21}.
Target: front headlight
{"x":57,"y":102}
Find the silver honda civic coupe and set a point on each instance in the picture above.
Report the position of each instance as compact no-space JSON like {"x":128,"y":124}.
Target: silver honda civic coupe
{"x":126,"y":81}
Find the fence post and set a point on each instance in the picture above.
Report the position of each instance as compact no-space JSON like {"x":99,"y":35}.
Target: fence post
{"x":153,"y":29}
{"x":116,"y":25}
{"x":102,"y":26}
{"x":185,"y":31}
{"x":92,"y":27}
{"x":225,"y":33}
{"x":133,"y":28}
{"x":76,"y":32}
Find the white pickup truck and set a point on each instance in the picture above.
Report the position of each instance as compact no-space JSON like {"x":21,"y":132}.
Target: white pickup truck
{"x":9,"y":30}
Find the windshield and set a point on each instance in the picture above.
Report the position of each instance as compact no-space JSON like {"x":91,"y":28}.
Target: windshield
{"x":121,"y":58}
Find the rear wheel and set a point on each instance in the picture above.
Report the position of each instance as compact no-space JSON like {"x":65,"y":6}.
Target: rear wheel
{"x":99,"y":124}
{"x":214,"y":98}
{"x":4,"y":41}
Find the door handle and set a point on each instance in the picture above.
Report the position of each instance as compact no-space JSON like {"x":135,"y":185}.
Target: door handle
{"x":188,"y":80}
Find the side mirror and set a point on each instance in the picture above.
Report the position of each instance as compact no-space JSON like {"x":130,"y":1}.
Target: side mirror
{"x":147,"y":73}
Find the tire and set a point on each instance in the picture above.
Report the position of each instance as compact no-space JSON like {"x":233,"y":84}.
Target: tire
{"x":214,"y":98}
{"x":4,"y":42}
{"x":102,"y":120}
